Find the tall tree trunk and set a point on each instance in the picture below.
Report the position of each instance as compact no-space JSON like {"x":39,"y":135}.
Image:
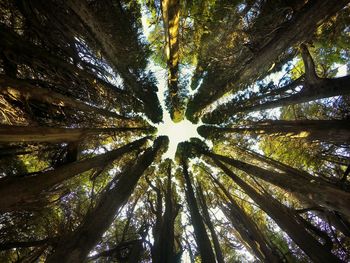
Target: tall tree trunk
{"x":285,"y":218}
{"x":171,"y":20}
{"x":47,"y":134}
{"x":167,"y":253}
{"x":203,"y":241}
{"x":76,"y":246}
{"x":293,"y":32}
{"x":29,"y":53}
{"x":332,"y":131}
{"x":28,"y":188}
{"x":248,"y":230}
{"x":22,"y":90}
{"x":206,"y":216}
{"x":314,"y":88}
{"x":116,"y":40}
{"x":322,"y":193}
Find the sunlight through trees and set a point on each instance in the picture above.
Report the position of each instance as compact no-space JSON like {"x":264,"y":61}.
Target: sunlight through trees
{"x":172,"y":131}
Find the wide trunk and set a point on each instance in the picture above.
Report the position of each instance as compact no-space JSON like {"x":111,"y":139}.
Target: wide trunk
{"x":47,"y":134}
{"x":322,"y":193}
{"x":293,"y":32}
{"x":22,"y":90}
{"x":16,"y":192}
{"x":331,"y":131}
{"x":76,"y":246}
{"x":286,"y":220}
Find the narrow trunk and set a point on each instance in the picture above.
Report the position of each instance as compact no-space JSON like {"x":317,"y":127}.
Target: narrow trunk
{"x":322,"y":193}
{"x":76,"y":246}
{"x":28,"y":188}
{"x":203,"y":241}
{"x":331,"y":131}
{"x":206,"y":216}
{"x":54,"y":135}
{"x":285,"y":219}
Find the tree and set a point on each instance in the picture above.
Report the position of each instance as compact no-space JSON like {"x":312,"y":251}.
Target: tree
{"x":83,"y":173}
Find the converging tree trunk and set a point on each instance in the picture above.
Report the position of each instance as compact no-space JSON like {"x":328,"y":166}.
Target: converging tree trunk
{"x":293,"y":32}
{"x":313,"y":88}
{"x":285,"y":219}
{"x":322,"y":193}
{"x":208,"y":222}
{"x":22,"y":90}
{"x":248,"y":230}
{"x":331,"y":131}
{"x":47,"y":134}
{"x":28,"y":188}
{"x":202,"y":239}
{"x":76,"y":246}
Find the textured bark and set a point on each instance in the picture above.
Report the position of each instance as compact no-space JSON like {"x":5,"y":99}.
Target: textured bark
{"x":314,"y":88}
{"x":319,"y":192}
{"x":163,"y":250}
{"x":54,"y":135}
{"x":295,"y":31}
{"x":22,"y":90}
{"x":285,"y":218}
{"x":248,"y":230}
{"x":331,"y":131}
{"x":206,"y":216}
{"x":76,"y":246}
{"x":29,"y":53}
{"x":29,"y":188}
{"x":112,"y":29}
{"x":171,"y":19}
{"x":202,"y":239}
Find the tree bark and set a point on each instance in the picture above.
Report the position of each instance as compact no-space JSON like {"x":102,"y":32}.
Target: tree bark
{"x":76,"y":246}
{"x":117,"y":37}
{"x":206,"y":216}
{"x":293,"y":32}
{"x":54,"y":135}
{"x":322,"y":193}
{"x":331,"y":131}
{"x":203,"y":241}
{"x":171,"y":19}
{"x":29,"y":188}
{"x":22,"y":90}
{"x":314,"y":88}
{"x":248,"y":230}
{"x":285,"y":219}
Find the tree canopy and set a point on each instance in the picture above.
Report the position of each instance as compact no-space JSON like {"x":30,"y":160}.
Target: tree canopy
{"x":85,"y":85}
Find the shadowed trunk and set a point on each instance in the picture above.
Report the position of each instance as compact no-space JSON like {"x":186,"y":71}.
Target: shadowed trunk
{"x":291,"y":33}
{"x":206,"y":216}
{"x":322,"y":193}
{"x":203,"y":241}
{"x":54,"y":135}
{"x":314,"y":88}
{"x":29,"y":188}
{"x":285,"y":218}
{"x":22,"y":90}
{"x":331,"y":131}
{"x":171,"y":19}
{"x":247,"y":229}
{"x":76,"y":246}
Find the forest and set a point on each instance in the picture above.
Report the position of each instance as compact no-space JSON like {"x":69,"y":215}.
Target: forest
{"x":85,"y":173}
